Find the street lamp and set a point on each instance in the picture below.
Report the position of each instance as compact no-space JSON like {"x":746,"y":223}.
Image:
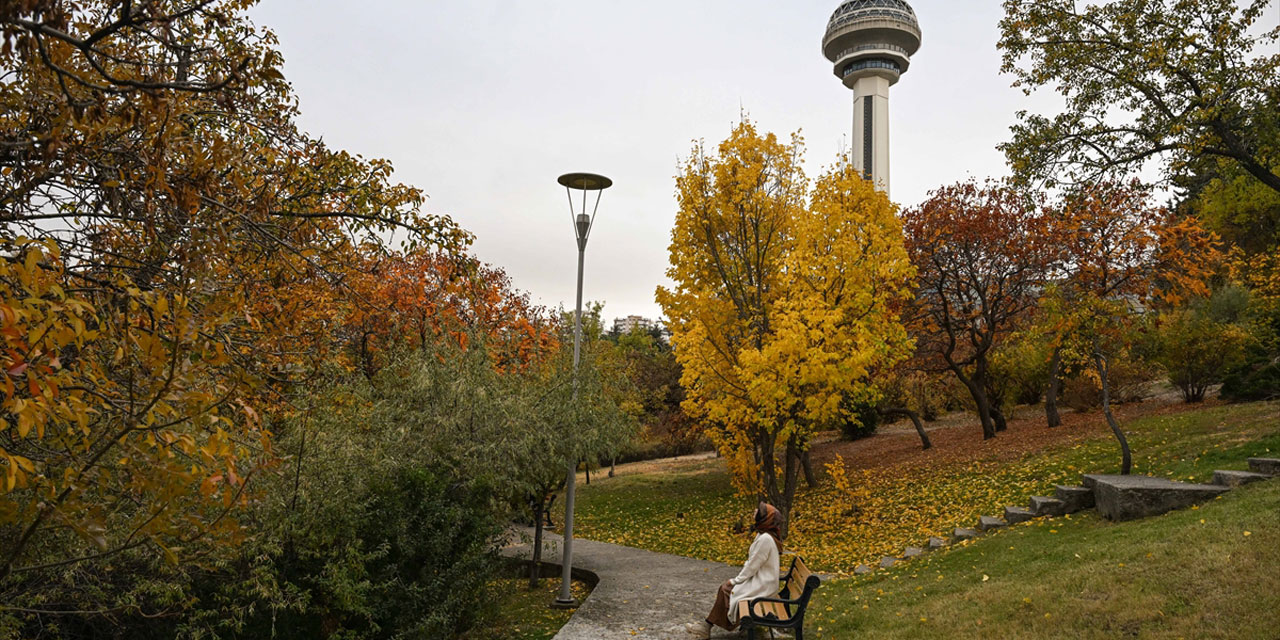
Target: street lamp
{"x":584,"y":182}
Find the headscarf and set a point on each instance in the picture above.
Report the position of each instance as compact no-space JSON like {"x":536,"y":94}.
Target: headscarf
{"x":769,"y":520}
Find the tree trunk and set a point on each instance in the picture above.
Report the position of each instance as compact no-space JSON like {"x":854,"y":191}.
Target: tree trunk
{"x":791,"y":482}
{"x":1126,"y":463}
{"x":1055,"y":386}
{"x":977,"y":386}
{"x":779,"y":496}
{"x":297,"y":471}
{"x":925,"y":445}
{"x":535,"y":569}
{"x":587,"y":466}
{"x":997,"y":416}
{"x":810,"y":478}
{"x":984,"y":406}
{"x":613,"y":466}
{"x":1193,"y":391}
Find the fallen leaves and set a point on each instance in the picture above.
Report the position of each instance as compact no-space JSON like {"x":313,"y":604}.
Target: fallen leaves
{"x":860,"y":514}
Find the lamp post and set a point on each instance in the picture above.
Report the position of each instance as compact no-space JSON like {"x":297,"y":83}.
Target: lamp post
{"x":584,"y":182}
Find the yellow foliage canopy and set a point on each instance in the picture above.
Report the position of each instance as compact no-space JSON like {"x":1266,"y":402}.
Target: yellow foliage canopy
{"x":781,"y":312}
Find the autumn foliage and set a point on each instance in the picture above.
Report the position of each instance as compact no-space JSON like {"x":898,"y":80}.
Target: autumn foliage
{"x":983,"y":256}
{"x":1121,"y":257}
{"x":781,"y":308}
{"x":178,"y":263}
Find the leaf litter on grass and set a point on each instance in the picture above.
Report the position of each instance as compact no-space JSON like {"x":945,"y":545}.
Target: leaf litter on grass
{"x":878,"y":510}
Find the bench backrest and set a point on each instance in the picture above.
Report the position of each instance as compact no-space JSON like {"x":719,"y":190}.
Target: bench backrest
{"x":800,"y":582}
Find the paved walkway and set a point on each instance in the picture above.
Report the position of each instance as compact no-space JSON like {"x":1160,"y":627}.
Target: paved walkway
{"x":640,"y":594}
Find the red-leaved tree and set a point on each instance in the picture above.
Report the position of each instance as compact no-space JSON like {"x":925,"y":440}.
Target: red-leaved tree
{"x":982,"y":253}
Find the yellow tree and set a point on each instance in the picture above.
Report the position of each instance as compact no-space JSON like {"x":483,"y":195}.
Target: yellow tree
{"x":779,"y":310}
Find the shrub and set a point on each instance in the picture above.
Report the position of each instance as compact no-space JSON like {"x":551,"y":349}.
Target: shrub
{"x":868,"y":419}
{"x":360,"y":537}
{"x":1130,"y":379}
{"x":1197,"y":351}
{"x":642,"y":450}
{"x":1019,"y":370}
{"x":1256,"y":378}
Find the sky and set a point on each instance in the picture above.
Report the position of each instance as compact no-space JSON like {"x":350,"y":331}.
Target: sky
{"x":484,"y":103}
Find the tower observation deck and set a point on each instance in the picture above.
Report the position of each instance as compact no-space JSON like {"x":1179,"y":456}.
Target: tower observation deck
{"x":871,"y":42}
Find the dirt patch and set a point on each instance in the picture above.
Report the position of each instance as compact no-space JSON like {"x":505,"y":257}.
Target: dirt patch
{"x":957,"y":438}
{"x":649,"y":466}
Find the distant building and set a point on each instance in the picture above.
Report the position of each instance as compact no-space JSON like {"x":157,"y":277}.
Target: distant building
{"x":656,"y":328}
{"x":631,"y":323}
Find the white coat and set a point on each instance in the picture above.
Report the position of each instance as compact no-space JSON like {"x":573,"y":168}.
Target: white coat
{"x":759,"y":575}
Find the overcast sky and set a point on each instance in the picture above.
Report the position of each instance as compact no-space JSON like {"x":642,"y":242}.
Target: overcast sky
{"x":483,"y":104}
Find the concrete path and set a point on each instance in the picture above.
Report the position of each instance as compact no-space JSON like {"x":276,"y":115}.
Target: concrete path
{"x":639,"y":594}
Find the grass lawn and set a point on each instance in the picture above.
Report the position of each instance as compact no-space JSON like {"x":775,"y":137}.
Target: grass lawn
{"x":1207,"y":572}
{"x":524,"y":614}
{"x":691,"y":509}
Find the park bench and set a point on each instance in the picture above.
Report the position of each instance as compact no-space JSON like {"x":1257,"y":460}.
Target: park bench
{"x":785,"y":611}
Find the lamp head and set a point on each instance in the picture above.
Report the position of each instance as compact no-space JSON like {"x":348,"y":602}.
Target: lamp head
{"x":585,"y":181}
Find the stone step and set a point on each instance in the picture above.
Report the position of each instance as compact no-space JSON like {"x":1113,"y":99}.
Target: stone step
{"x":911,"y":552}
{"x":1014,"y":515}
{"x":1074,"y":498}
{"x":988,"y":523}
{"x":887,"y":562}
{"x":1131,"y":497}
{"x":964,"y":534}
{"x":1046,"y":506}
{"x":936,"y":543}
{"x":1269,"y":466}
{"x":1236,"y":478}
{"x":862,"y":570}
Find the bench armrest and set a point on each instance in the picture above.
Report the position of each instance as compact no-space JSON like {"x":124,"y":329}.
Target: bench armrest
{"x":751,"y":606}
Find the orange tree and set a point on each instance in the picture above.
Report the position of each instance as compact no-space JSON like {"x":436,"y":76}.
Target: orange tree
{"x":781,"y":308}
{"x":1122,"y":256}
{"x":413,"y":298}
{"x":176,"y":258}
{"x":982,"y":255}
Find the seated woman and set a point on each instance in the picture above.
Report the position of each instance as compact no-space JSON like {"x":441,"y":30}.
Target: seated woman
{"x":758,"y":578}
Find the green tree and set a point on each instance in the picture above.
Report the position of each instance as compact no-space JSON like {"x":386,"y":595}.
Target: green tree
{"x":1177,"y":81}
{"x":1199,"y":344}
{"x":655,"y":373}
{"x":385,"y":521}
{"x":1244,"y":212}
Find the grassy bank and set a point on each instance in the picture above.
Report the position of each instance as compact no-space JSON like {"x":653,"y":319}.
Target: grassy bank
{"x":1208,"y":572}
{"x":691,"y":510}
{"x":521,"y":613}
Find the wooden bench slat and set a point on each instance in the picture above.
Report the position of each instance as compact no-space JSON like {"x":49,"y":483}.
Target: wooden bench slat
{"x":795,"y":583}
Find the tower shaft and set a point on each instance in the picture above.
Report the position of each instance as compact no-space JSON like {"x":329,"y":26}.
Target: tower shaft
{"x":870,"y":44}
{"x":871,"y":130}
